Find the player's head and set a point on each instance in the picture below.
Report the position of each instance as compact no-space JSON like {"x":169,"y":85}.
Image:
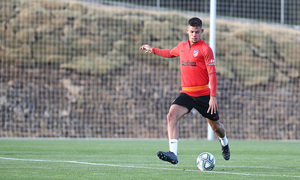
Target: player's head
{"x":195,"y":22}
{"x":194,"y":30}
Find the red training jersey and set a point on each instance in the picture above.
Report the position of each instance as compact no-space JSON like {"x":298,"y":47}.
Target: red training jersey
{"x":197,"y":66}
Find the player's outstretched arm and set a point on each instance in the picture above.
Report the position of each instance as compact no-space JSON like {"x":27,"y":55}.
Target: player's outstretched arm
{"x":160,"y":52}
{"x":147,"y":48}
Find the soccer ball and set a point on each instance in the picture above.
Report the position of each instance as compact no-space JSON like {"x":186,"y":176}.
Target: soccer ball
{"x":206,"y":161}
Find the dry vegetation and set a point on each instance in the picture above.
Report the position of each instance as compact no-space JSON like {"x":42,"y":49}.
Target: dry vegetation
{"x":96,"y":39}
{"x":88,"y":38}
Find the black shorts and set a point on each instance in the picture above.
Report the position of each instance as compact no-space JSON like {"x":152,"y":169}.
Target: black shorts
{"x":201,"y":104}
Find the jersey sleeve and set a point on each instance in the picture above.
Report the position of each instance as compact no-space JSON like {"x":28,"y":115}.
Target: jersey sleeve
{"x":213,"y":84}
{"x":211,"y":69}
{"x":168,"y":53}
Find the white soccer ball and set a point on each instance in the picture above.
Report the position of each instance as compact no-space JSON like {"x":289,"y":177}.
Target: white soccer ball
{"x":206,"y":161}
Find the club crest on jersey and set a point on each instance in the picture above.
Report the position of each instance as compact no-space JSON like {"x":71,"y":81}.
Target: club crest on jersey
{"x":195,"y":54}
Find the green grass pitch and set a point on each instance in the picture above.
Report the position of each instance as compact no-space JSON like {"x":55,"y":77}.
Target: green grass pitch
{"x":136,"y":159}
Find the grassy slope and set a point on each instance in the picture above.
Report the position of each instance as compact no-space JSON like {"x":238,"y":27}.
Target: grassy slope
{"x":79,"y":36}
{"x":136,"y":159}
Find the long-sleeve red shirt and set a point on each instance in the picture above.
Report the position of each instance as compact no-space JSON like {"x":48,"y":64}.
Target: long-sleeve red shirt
{"x":197,"y":65}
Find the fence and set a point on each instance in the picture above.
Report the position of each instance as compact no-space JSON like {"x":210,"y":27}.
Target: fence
{"x":74,"y":69}
{"x":279,"y":11}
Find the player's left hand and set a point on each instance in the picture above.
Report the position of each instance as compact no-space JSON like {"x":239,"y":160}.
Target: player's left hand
{"x":213,"y":105}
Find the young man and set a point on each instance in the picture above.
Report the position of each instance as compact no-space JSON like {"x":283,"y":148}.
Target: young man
{"x":197,"y":67}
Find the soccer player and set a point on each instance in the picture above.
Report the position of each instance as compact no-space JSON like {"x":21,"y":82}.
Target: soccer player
{"x":197,"y":66}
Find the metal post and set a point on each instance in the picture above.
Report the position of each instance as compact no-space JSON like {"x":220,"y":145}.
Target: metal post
{"x":282,"y":11}
{"x":212,"y":38}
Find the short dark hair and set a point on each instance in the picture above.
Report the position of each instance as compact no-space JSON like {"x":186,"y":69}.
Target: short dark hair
{"x":195,"y":22}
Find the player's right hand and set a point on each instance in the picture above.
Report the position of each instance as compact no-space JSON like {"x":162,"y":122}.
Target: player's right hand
{"x":147,"y":48}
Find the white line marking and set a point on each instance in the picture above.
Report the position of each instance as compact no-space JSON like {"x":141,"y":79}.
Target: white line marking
{"x":256,"y":167}
{"x":143,"y":167}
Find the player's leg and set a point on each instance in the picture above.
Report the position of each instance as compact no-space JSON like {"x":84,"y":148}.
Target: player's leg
{"x":181,"y":106}
{"x":219,"y":129}
{"x":202,"y":105}
{"x":175,"y":113}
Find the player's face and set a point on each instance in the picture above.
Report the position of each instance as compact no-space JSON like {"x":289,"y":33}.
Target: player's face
{"x":194,"y":34}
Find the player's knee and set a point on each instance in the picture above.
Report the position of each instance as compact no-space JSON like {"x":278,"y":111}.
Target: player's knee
{"x":171,"y":117}
{"x":216,"y":127}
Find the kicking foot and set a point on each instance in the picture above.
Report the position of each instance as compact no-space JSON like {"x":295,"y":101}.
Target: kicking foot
{"x":167,"y":156}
